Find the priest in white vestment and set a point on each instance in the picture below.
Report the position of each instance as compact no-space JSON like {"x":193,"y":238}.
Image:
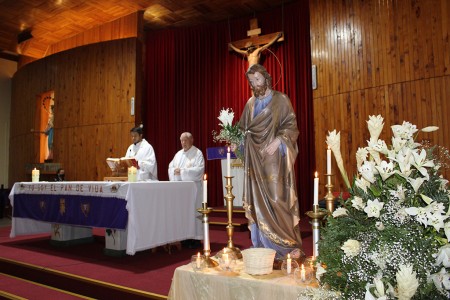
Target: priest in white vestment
{"x":189,"y":165}
{"x":143,"y":152}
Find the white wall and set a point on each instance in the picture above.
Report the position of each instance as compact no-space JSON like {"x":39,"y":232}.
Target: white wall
{"x":7,"y":70}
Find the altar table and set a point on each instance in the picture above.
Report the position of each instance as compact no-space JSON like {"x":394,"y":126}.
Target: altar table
{"x":213,"y":283}
{"x":151,"y":214}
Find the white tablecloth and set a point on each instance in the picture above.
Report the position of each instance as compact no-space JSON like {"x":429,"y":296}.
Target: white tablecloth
{"x":159,"y":212}
{"x":215,"y":284}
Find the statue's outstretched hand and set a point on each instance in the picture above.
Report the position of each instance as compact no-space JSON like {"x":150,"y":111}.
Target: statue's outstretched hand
{"x":273,"y":146}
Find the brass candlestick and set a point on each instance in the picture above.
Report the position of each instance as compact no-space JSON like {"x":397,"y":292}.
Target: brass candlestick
{"x":205,"y":210}
{"x":229,"y":197}
{"x":329,"y":197}
{"x":316,"y":219}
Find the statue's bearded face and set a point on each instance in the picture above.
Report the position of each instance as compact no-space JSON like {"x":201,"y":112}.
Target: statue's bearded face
{"x":258,"y":84}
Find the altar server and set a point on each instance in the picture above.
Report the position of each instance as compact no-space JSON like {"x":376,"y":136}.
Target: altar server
{"x":143,"y":152}
{"x":189,"y":165}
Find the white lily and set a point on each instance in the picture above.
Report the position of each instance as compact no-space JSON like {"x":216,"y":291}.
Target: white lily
{"x":373,"y":208}
{"x":421,"y":162}
{"x":443,"y":256}
{"x":368,"y":171}
{"x":398,"y":144}
{"x":415,"y":182}
{"x":447,"y":230}
{"x":399,"y":193}
{"x":436,"y":220}
{"x":440,"y":280}
{"x":362,"y":184}
{"x":339,"y":212}
{"x":421,"y":214}
{"x":358,"y":203}
{"x":375,"y":147}
{"x":226,"y":117}
{"x":385,"y":169}
{"x":319,"y":270}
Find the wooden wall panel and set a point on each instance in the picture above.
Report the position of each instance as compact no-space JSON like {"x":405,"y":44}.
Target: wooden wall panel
{"x":379,"y":57}
{"x":93,"y":86}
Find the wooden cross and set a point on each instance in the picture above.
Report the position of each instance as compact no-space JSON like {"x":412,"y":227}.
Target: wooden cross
{"x":255,"y":39}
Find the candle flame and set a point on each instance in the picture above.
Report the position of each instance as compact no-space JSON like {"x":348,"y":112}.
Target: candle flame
{"x":204,"y":177}
{"x":303,"y":267}
{"x":198,"y":254}
{"x":289,"y":255}
{"x":328,"y":148}
{"x":228,"y":149}
{"x":316,"y":174}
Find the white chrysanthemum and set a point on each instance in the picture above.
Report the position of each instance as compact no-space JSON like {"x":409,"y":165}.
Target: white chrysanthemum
{"x":339,"y":212}
{"x":407,"y":282}
{"x":443,"y":256}
{"x":226,"y":117}
{"x":373,"y":208}
{"x":358,"y":203}
{"x":351,"y":248}
{"x":375,"y":125}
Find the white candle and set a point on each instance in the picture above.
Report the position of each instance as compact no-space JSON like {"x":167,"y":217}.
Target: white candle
{"x":132,"y":174}
{"x":316,"y":189}
{"x":228,"y":163}
{"x":35,"y":175}
{"x":302,"y":273}
{"x":328,"y":160}
{"x":288,"y":264}
{"x":205,"y":189}
{"x":226,"y":260}
{"x":197,"y":260}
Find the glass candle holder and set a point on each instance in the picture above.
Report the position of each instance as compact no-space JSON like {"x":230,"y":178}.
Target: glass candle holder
{"x":304,"y":274}
{"x":288,"y":266}
{"x":198,"y":262}
{"x":227,"y":261}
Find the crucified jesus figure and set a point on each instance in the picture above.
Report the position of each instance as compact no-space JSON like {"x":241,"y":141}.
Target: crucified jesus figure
{"x":252,"y":52}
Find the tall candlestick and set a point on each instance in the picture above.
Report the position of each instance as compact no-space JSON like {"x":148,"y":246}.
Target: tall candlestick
{"x":228,"y":163}
{"x":328,"y":160}
{"x":205,"y":189}
{"x":316,"y":189}
{"x":288,"y":264}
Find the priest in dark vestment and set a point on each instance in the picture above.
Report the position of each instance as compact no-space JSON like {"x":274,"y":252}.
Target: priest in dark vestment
{"x":270,"y":149}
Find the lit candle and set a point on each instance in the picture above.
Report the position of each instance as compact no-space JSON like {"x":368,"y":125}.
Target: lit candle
{"x":35,"y":175}
{"x":228,"y":163}
{"x":316,"y":189}
{"x":132,"y":174}
{"x":328,"y":160}
{"x":288,"y":264}
{"x":302,"y":273}
{"x":205,"y":189}
{"x":197,"y":261}
{"x":226,"y":260}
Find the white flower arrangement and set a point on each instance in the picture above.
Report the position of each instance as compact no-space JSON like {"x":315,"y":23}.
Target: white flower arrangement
{"x":390,"y":239}
{"x":230,"y":134}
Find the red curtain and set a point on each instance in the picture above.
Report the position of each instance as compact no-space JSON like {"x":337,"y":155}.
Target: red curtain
{"x":191,"y":76}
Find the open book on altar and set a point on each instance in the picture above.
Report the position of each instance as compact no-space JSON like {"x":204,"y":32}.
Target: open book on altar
{"x":121,"y":165}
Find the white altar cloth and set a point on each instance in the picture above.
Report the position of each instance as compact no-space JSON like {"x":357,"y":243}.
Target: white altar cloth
{"x":159,"y":212}
{"x":213,"y":283}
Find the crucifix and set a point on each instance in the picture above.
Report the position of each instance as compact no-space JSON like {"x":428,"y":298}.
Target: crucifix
{"x":253,"y":46}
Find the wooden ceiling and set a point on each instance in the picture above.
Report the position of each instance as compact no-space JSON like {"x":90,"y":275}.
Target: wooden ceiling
{"x":50,"y":21}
